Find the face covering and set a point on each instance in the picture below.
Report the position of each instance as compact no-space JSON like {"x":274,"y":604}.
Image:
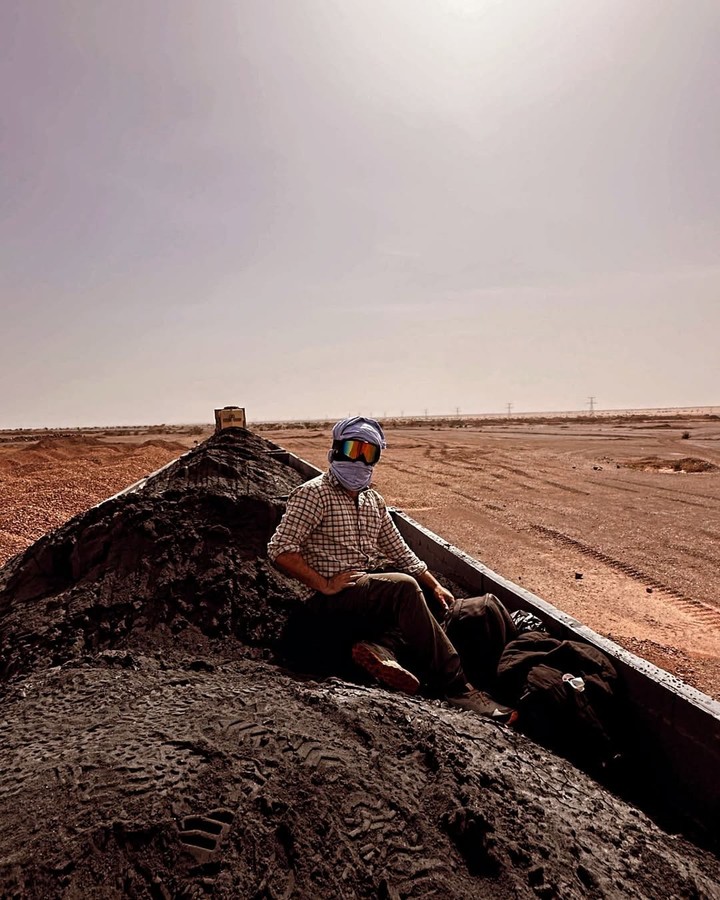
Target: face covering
{"x":355,"y":476}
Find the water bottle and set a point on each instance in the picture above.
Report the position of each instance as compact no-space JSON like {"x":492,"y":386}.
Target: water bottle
{"x":575,"y":681}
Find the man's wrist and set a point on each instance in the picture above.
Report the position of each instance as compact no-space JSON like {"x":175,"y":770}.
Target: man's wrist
{"x":429,"y":580}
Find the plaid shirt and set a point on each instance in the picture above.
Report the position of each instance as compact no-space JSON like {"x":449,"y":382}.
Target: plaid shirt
{"x":332,"y":534}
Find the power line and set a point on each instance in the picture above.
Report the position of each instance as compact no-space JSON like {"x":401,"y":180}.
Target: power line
{"x":509,"y":409}
{"x":591,"y":403}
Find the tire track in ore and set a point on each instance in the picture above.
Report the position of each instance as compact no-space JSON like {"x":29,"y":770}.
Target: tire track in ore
{"x":377,"y":829}
{"x":702,"y":612}
{"x":128,"y":753}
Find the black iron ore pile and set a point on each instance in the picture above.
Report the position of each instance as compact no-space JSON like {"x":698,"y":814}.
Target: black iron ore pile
{"x":187,"y":551}
{"x":151,"y":747}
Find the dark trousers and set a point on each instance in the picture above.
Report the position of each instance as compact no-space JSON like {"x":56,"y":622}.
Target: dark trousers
{"x":389,"y":608}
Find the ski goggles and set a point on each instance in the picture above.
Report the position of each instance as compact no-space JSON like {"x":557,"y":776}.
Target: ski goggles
{"x":356,"y":451}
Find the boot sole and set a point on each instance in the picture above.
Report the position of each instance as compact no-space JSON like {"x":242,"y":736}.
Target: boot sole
{"x":386,"y":671}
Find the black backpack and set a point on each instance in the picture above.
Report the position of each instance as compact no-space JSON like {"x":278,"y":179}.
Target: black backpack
{"x":567,"y":696}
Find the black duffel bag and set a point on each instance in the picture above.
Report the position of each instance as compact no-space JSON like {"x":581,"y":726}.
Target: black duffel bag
{"x":567,"y":695}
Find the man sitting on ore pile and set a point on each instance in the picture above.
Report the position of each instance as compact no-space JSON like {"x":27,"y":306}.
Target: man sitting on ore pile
{"x":338,"y":539}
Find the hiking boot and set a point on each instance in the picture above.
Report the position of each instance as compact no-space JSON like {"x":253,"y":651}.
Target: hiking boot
{"x":383,"y":665}
{"x":484,"y":705}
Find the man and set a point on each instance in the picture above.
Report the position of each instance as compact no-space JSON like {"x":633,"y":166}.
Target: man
{"x":337,"y":538}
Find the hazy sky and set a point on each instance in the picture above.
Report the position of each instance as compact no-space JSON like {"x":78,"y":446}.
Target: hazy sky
{"x":317,"y":207}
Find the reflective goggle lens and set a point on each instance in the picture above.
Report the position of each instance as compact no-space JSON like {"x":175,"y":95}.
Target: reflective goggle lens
{"x":354,"y":450}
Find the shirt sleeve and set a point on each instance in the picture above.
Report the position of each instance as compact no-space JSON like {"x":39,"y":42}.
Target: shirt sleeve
{"x":392,"y":545}
{"x":303,"y":514}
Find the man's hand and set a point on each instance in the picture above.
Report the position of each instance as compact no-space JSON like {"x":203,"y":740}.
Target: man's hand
{"x":341,"y":581}
{"x":444,"y":597}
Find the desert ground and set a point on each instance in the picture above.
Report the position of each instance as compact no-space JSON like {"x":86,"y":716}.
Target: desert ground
{"x":590,"y":515}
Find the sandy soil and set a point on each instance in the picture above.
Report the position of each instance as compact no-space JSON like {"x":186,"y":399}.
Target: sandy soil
{"x":634,"y":553}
